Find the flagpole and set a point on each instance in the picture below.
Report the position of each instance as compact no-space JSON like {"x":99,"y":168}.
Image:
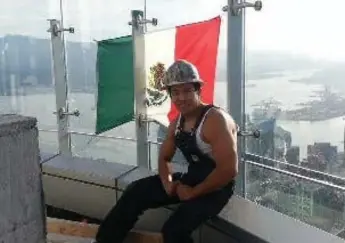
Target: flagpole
{"x":141,"y":121}
{"x":145,"y":12}
{"x":236,"y":75}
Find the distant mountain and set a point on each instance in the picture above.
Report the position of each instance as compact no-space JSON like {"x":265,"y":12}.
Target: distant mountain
{"x":265,"y":64}
{"x":29,"y":59}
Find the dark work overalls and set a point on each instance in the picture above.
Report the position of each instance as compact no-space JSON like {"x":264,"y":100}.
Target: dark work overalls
{"x":149,"y":193}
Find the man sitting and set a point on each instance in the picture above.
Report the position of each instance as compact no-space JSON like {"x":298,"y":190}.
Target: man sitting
{"x":207,"y":137}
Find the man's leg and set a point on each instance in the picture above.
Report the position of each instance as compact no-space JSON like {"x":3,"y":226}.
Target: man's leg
{"x":191,"y":214}
{"x":139,"y":196}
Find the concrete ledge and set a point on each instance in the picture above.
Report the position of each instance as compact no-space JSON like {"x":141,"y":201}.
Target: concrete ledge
{"x":123,"y":181}
{"x":270,"y":225}
{"x":83,"y":198}
{"x":86,"y":170}
{"x":241,"y":220}
{"x":233,"y":231}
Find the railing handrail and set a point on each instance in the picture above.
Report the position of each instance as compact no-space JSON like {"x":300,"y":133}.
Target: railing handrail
{"x":288,"y":173}
{"x":100,"y":136}
{"x":327,"y":176}
{"x":92,"y":135}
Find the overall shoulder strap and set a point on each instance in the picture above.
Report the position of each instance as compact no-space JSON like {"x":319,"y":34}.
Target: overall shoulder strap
{"x":202,"y":116}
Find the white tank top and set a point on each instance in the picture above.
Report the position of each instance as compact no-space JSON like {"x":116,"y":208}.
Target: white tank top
{"x":203,"y":146}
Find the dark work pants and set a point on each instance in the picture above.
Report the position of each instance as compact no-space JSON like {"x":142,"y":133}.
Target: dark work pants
{"x":148,"y":193}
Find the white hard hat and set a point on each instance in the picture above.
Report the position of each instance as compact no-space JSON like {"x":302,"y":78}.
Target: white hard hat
{"x":181,"y":72}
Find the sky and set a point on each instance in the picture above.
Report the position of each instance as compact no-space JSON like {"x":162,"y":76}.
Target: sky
{"x":298,"y":26}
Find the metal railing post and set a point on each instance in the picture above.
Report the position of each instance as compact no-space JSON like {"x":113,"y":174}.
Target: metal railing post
{"x":60,"y":81}
{"x":236,"y":75}
{"x":138,"y":22}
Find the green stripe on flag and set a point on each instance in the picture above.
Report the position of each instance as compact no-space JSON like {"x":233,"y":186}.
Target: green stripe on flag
{"x":115,"y":98}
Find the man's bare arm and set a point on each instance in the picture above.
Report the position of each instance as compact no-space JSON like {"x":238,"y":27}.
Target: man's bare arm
{"x":220,"y":131}
{"x":166,"y":153}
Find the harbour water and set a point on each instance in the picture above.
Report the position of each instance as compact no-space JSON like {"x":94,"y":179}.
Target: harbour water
{"x":280,"y":88}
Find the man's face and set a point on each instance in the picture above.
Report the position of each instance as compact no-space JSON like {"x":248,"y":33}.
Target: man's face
{"x":185,"y":97}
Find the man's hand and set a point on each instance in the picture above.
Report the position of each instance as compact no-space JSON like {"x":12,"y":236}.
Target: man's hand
{"x":184,"y":192}
{"x":170,"y":187}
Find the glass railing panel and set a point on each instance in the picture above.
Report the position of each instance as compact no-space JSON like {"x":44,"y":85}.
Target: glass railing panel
{"x":94,"y":21}
{"x":109,"y":148}
{"x":26,"y":79}
{"x":295,"y":96}
{"x":102,"y":22}
{"x":178,"y":159}
{"x":295,"y":92}
{"x":48,"y":141}
{"x":318,"y":204}
{"x":181,"y":12}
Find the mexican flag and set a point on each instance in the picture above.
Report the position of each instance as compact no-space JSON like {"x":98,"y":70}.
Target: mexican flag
{"x":195,"y":42}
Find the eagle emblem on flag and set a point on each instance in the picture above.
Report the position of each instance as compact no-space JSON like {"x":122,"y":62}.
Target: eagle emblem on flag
{"x":155,"y":96}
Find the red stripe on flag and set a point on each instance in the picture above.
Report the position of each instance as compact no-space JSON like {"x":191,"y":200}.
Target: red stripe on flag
{"x":198,"y":44}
